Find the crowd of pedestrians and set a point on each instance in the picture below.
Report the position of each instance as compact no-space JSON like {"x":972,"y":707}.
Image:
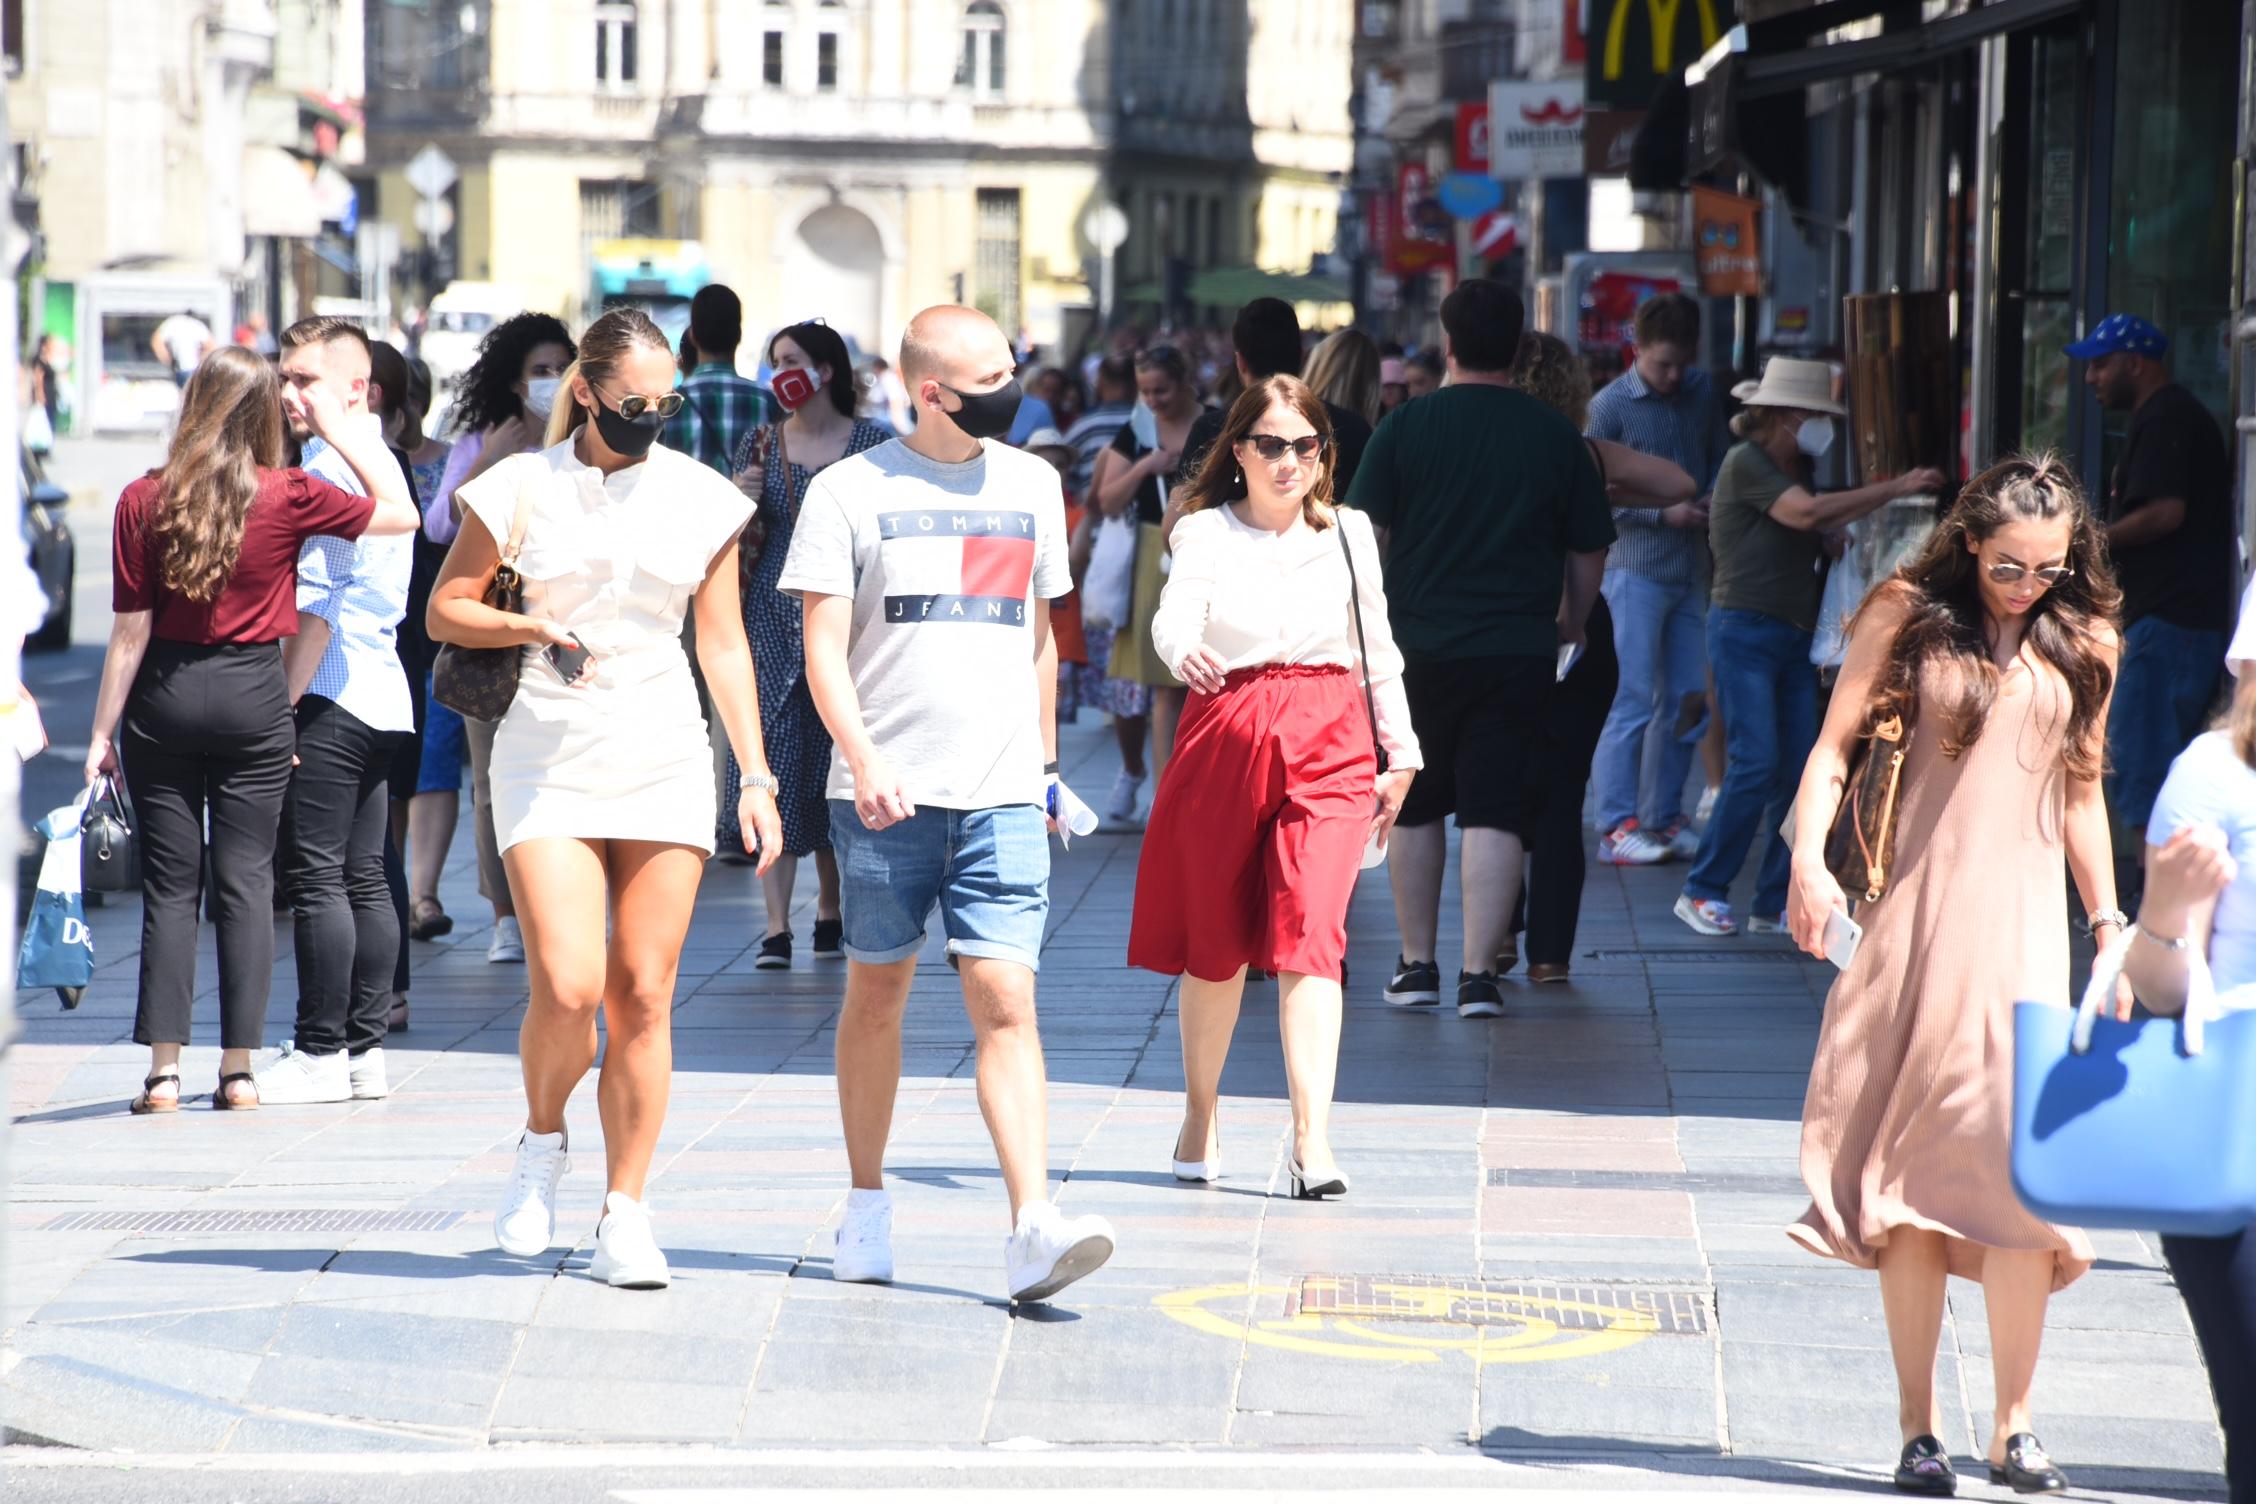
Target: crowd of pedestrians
{"x":1330,"y":593}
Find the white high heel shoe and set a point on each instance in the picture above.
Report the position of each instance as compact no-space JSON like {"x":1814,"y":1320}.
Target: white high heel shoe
{"x":1197,"y":1171}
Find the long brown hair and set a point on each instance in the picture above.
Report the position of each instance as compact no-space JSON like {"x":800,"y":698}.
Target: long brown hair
{"x":1942,"y":589}
{"x":1221,"y":479}
{"x":605,"y":344}
{"x":1344,"y":370}
{"x":230,"y":429}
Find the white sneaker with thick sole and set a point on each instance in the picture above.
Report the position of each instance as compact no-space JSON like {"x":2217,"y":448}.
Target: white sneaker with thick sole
{"x":1127,"y":796}
{"x":298,"y":1078}
{"x":366,"y":1072}
{"x":862,"y":1253}
{"x":1051,"y":1250}
{"x":507,"y":946}
{"x":1710,"y":916}
{"x":627,"y":1257}
{"x":526,"y":1223}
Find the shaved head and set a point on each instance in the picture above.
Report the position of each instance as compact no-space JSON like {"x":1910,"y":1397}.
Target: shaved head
{"x":958,"y":347}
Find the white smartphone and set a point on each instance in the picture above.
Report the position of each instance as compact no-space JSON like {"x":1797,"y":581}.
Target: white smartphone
{"x":1842,"y":937}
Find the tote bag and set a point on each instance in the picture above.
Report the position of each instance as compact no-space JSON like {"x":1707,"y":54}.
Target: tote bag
{"x":2148,"y":1125}
{"x":58,"y":947}
{"x":1108,"y":586}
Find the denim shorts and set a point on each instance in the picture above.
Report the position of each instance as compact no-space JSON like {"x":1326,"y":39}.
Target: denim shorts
{"x":443,"y":750}
{"x":987,"y":870}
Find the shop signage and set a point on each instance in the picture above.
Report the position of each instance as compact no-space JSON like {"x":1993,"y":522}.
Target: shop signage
{"x":1535,"y":129}
{"x":1634,"y":44}
{"x":1725,"y":229}
{"x":1607,"y":136}
{"x":1469,"y":195}
{"x":1496,"y":235}
{"x":1418,"y":235}
{"x":1472,"y":137}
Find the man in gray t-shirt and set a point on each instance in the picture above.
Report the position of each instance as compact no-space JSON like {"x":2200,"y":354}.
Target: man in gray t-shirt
{"x":925,"y":568}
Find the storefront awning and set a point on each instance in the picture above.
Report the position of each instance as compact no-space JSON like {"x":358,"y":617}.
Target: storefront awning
{"x":278,"y":197}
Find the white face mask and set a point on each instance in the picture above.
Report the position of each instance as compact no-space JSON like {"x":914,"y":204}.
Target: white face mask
{"x":1815,"y":436}
{"x":540,"y":395}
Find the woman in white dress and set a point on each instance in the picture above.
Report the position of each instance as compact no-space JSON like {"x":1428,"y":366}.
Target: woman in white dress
{"x":603,"y":785}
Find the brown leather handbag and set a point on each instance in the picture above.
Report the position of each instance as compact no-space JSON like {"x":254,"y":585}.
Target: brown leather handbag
{"x":480,"y":683}
{"x":1860,"y":849}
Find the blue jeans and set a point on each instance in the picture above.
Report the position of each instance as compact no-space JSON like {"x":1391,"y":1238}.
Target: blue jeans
{"x":2163,"y":689}
{"x":1767,"y":692}
{"x":1642,"y":763}
{"x":987,"y":870}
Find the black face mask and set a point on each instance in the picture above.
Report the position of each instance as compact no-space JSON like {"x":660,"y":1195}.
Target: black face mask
{"x":631,"y":437}
{"x":987,"y":415}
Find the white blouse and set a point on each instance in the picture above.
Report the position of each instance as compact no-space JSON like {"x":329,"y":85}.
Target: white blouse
{"x":1257,"y":597}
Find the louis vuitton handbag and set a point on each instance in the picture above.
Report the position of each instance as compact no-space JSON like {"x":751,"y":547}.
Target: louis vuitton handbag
{"x":480,"y":683}
{"x":1860,"y":849}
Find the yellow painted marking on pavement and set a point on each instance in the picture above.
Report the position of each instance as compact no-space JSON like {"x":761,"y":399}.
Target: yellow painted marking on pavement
{"x":1532,"y":1339}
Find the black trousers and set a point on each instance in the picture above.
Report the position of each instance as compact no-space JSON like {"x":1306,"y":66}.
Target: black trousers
{"x":207,"y":734}
{"x":347,"y":929}
{"x":2217,"y":1277}
{"x":1557,"y":844}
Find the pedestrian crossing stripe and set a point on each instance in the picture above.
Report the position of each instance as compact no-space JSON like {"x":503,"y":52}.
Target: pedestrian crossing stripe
{"x":1510,"y":1327}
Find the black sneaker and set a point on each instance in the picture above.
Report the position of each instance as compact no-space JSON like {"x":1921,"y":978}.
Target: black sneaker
{"x":1416,"y":983}
{"x":1478,"y":995}
{"x":830,"y":940}
{"x":775,"y":953}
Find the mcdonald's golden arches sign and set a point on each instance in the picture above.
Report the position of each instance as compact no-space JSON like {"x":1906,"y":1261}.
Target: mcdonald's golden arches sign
{"x":1633,"y":44}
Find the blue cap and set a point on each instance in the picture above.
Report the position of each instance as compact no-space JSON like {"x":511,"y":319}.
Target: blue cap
{"x":2121,"y":332}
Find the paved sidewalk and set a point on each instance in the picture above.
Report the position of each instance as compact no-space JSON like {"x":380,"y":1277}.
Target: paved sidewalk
{"x":1562,"y":1253}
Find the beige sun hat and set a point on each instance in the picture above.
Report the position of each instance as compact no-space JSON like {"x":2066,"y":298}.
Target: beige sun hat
{"x":1805,"y":385}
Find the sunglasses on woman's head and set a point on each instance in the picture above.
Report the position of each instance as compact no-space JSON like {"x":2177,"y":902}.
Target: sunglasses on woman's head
{"x":634,"y":405}
{"x":2006,"y":574}
{"x":1271,"y":447}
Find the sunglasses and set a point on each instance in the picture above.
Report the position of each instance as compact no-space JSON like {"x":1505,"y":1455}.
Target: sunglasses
{"x":1272,"y":447}
{"x":2006,"y":574}
{"x":635,"y":404}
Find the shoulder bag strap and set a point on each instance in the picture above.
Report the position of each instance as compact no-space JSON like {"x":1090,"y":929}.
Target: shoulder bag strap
{"x":518,"y":523}
{"x":1362,"y":644}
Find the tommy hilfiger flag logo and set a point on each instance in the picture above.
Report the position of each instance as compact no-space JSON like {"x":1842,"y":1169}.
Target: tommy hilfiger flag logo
{"x":979,"y":565}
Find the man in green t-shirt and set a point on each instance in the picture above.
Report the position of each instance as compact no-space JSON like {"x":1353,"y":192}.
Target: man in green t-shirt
{"x":1493,"y":511}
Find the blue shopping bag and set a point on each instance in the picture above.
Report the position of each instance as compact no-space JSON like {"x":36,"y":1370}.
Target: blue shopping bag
{"x":58,"y":947}
{"x":2148,"y":1125}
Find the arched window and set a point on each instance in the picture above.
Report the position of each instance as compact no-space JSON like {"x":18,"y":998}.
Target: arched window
{"x":615,"y":43}
{"x":980,"y":68}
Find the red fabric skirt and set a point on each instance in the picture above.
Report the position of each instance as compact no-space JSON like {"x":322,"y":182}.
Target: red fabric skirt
{"x":1257,"y":830}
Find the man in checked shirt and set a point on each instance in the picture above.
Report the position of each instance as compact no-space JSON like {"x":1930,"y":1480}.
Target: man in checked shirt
{"x":1656,"y":587}
{"x":353,"y":710}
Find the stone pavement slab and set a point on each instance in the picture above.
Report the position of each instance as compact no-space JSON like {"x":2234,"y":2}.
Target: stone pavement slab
{"x":1561,"y":1265}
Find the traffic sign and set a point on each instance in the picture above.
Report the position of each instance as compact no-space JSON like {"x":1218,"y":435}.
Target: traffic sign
{"x":434,"y":217}
{"x":431,"y":172}
{"x":1106,"y":225}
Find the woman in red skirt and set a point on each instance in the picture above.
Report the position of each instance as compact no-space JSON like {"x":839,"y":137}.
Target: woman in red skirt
{"x":1263,"y":813}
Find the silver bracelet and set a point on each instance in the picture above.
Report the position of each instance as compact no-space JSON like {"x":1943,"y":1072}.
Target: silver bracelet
{"x":2098,"y":917}
{"x":2160,"y":943}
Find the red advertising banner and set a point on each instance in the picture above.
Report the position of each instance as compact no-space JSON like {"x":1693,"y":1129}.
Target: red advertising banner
{"x":1574,"y":45}
{"x":1472,"y":138}
{"x":1419,"y":239}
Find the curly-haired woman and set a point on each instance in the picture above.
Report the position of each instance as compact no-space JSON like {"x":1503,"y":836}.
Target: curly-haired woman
{"x":1997,"y":649}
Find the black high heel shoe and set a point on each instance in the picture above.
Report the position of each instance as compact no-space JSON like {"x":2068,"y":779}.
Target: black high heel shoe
{"x":2027,"y":1469}
{"x":1925,"y":1468}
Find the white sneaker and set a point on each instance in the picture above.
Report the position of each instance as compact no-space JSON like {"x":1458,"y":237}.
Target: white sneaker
{"x":1051,"y":1250}
{"x":297,"y":1078}
{"x":507,"y":944}
{"x":1709,"y":916}
{"x":626,"y":1255}
{"x":1766,"y":924}
{"x":863,"y":1251}
{"x":1127,"y":795}
{"x":367,"y":1075}
{"x":1628,"y":846}
{"x":526,"y":1224}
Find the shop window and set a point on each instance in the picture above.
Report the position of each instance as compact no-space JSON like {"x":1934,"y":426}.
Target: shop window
{"x":615,"y":43}
{"x":826,"y":60}
{"x":980,"y":66}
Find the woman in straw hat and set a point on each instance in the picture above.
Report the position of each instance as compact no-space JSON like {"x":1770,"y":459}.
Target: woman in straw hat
{"x":1768,"y":530}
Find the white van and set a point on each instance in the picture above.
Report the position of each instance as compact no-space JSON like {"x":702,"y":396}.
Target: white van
{"x":459,"y":318}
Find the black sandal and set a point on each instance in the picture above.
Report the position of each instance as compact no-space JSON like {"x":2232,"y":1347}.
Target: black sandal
{"x":2027,"y":1469}
{"x":221,"y":1102}
{"x":144,"y":1104}
{"x":1925,"y":1468}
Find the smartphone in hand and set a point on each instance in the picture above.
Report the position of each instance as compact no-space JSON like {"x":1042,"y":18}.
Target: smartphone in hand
{"x":1842,"y":936}
{"x":568,"y":659}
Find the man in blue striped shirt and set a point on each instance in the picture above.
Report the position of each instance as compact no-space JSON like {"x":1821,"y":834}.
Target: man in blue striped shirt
{"x":353,"y":710}
{"x":1656,"y":588}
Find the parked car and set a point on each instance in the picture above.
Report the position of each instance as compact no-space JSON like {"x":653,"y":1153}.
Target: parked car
{"x":50,"y":548}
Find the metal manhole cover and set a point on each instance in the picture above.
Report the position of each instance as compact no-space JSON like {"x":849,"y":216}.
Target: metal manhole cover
{"x":298,"y":1220}
{"x":1700,"y":956}
{"x":1470,"y":1302}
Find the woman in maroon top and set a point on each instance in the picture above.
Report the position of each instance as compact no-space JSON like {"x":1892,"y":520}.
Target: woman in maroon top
{"x":205,"y":564}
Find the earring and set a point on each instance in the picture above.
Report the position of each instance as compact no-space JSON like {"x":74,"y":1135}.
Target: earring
{"x":1237,"y":476}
